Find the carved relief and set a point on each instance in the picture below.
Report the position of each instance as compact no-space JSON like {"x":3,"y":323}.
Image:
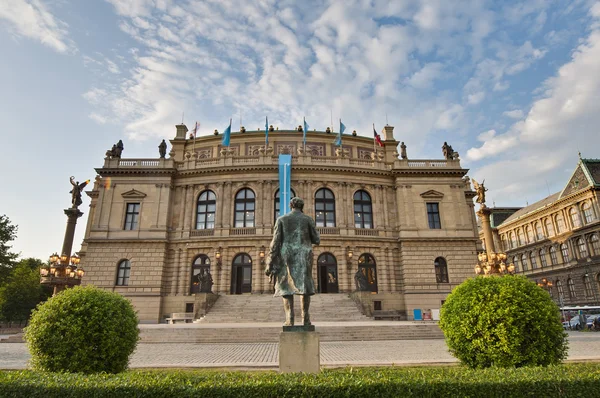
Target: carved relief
{"x":204,"y":153}
{"x":253,"y":150}
{"x":286,"y":149}
{"x":234,"y":150}
{"x":365,"y":153}
{"x":315,"y":149}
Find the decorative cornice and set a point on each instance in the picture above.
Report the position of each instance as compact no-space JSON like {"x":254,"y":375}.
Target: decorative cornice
{"x":432,"y":194}
{"x":133,"y":194}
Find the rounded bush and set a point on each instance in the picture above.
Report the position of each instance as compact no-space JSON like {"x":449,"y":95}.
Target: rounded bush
{"x":84,"y":330}
{"x":504,"y":321}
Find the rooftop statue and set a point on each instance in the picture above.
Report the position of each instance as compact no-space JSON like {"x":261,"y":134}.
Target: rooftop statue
{"x":162,"y":149}
{"x":289,"y":262}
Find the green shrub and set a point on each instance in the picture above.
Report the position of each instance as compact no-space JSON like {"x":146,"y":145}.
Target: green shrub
{"x":83,"y":329}
{"x":573,"y":380}
{"x":504,"y":322}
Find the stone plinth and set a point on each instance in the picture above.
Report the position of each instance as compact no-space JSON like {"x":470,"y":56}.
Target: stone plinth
{"x":299,"y":352}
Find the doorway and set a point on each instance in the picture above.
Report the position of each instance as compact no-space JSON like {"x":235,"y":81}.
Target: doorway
{"x":241,"y":274}
{"x":327,"y":274}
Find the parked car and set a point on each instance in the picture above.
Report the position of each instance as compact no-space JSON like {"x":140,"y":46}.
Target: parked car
{"x":590,"y":320}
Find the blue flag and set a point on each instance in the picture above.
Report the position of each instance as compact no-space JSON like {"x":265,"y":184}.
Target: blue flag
{"x":226,"y":135}
{"x":266,"y":132}
{"x":338,"y":140}
{"x":305,"y":130}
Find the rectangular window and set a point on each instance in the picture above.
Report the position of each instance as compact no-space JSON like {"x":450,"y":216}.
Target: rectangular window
{"x":132,"y":216}
{"x":433,"y":215}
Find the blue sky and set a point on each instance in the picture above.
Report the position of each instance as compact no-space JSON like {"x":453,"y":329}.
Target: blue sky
{"x":512,"y":86}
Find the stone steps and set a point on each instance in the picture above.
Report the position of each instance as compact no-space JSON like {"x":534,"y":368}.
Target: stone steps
{"x":15,"y":338}
{"x":351,"y":331}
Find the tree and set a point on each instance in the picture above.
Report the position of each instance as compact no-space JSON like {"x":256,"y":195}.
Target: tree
{"x":8,"y":232}
{"x":22,"y":291}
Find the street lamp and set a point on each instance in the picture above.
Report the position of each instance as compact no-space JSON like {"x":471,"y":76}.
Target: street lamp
{"x":349,"y":255}
{"x":218,"y":256}
{"x":62,"y":272}
{"x":261,"y":255}
{"x":493,"y":263}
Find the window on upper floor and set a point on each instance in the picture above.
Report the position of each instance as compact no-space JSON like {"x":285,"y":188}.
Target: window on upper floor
{"x":571,"y":286}
{"x":433,"y":215}
{"x":575,"y":220}
{"x":244,"y":208}
{"x":560,"y":288}
{"x":521,"y":237}
{"x":588,"y":213}
{"x":277,"y":203}
{"x":513,"y":240}
{"x":564,"y":249}
{"x":549,"y":227}
{"x":363,"y":210}
{"x":543,"y":261}
{"x":533,"y":260}
{"x":441,"y":270}
{"x":516,"y":263}
{"x":132,"y":215}
{"x":553,"y":256}
{"x":587,"y":284}
{"x":539,"y":231}
{"x":324,"y":208}
{"x":595,"y":244}
{"x":205,"y":210}
{"x":560,"y":224}
{"x":581,"y":248}
{"x":123,"y":271}
{"x":524,"y":262}
{"x":529,"y":235}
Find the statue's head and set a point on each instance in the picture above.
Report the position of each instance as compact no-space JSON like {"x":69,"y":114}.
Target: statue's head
{"x":296,"y":203}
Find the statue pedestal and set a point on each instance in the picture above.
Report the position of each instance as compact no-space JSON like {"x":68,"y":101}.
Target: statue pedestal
{"x":299,"y":350}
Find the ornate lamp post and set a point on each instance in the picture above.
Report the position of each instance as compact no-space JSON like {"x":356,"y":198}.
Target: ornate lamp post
{"x":489,"y":262}
{"x":63,"y":270}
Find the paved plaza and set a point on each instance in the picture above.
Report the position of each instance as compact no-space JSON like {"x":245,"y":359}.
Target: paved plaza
{"x":582,"y":347}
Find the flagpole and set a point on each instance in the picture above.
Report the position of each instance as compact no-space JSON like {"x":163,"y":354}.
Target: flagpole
{"x":374,"y":147}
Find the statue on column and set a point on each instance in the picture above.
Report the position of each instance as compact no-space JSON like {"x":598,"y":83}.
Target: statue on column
{"x":289,"y":262}
{"x":76,"y":191}
{"x":480,"y":189}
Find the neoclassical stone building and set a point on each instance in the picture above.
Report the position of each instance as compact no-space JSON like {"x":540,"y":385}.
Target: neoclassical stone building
{"x":156,"y":224}
{"x":557,"y":239}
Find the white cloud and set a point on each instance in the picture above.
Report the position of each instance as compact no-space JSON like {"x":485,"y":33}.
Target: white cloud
{"x":32,"y":19}
{"x":476,"y":98}
{"x":97,"y":118}
{"x":486,"y":135}
{"x":514,"y":114}
{"x":426,"y":76}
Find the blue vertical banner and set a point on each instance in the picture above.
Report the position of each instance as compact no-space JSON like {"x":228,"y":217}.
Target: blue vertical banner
{"x":285,"y":179}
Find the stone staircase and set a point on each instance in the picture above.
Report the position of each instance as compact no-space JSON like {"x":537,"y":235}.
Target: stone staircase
{"x":264,"y":308}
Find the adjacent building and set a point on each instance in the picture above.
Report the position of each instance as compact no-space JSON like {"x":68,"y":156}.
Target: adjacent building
{"x":158,"y":226}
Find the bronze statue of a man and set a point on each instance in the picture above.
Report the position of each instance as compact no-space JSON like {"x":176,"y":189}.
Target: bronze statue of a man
{"x":290,"y":258}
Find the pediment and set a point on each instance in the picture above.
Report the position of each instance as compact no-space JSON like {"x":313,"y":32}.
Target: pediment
{"x":578,"y":181}
{"x":133,"y":194}
{"x":432,"y":194}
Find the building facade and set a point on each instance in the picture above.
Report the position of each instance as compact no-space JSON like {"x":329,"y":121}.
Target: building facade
{"x":556,"y":241}
{"x":157,"y":225}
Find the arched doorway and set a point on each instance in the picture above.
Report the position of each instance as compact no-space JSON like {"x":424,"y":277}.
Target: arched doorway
{"x":366,"y":264}
{"x":200,"y":267}
{"x":241,"y":274}
{"x":327,"y":274}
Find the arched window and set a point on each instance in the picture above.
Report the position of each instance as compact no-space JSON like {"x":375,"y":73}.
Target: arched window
{"x":366,"y":264}
{"x":441,"y":270}
{"x":587,"y":284}
{"x":529,"y":235}
{"x":595,"y":244}
{"x":504,"y":243}
{"x":582,"y":248}
{"x":533,"y":260}
{"x":549,"y":227}
{"x":539,"y":231}
{"x":363,"y":210}
{"x":513,"y":240}
{"x":571,"y":286}
{"x":564,"y":249}
{"x":516,"y":263}
{"x":277,"y":204}
{"x":327,"y":273}
{"x":543,"y":261}
{"x":524,"y":262}
{"x":560,"y":289}
{"x":123,"y":271}
{"x":588,"y":213}
{"x":244,"y":208}
{"x":553,"y":256}
{"x":575,"y":220}
{"x":560,"y":224}
{"x":200,"y":268}
{"x":241,"y":274}
{"x":205,"y":210}
{"x":521,"y":237}
{"x":324,"y":208}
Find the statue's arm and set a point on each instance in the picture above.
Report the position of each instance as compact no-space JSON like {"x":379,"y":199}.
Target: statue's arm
{"x":315,"y":238}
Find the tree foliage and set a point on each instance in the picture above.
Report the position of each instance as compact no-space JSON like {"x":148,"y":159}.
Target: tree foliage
{"x":22,"y":291}
{"x":8,"y":232}
{"x":83,"y":329}
{"x":503,"y":321}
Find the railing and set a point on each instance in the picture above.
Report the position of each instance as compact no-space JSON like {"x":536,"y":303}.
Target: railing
{"x":245,"y":159}
{"x":428,"y":163}
{"x":366,"y":232}
{"x":324,"y":159}
{"x":138,"y":163}
{"x":242,"y":231}
{"x":208,"y":162}
{"x":202,"y":232}
{"x":116,"y":163}
{"x":361,"y":162}
{"x":328,"y":230}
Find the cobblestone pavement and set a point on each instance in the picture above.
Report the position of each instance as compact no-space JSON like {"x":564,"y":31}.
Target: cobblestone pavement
{"x":582,"y":346}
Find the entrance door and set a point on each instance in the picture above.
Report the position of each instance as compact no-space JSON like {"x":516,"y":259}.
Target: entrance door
{"x":327,"y":274}
{"x":366,"y":263}
{"x":241,"y":274}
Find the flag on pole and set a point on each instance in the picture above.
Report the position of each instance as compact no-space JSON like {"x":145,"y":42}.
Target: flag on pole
{"x":195,"y":130}
{"x":338,"y":140}
{"x":304,"y":133}
{"x":226,"y":135}
{"x":266,"y":132}
{"x":377,"y":136}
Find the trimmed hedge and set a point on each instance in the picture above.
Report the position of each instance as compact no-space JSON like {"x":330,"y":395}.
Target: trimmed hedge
{"x":582,"y":380}
{"x":503,"y":321}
